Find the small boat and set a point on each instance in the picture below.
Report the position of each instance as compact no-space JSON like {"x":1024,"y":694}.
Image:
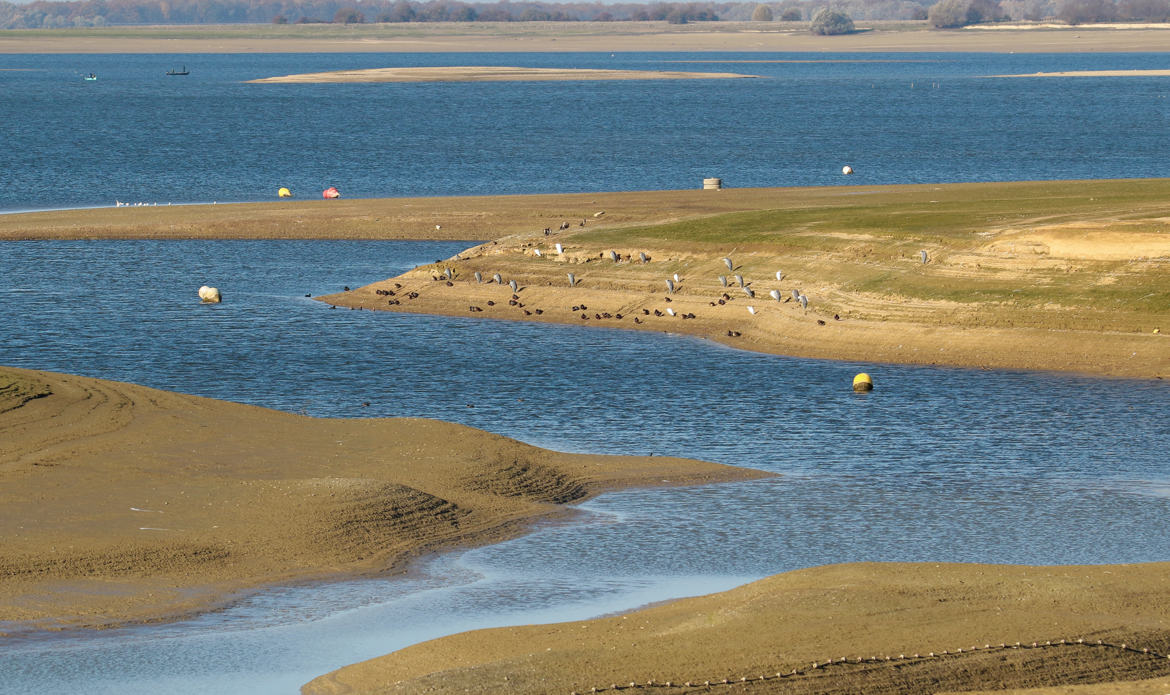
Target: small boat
{"x":184,"y":71}
{"x":91,"y":77}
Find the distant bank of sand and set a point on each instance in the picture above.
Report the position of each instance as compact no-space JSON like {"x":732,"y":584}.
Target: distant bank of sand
{"x":121,"y":503}
{"x":562,"y":37}
{"x":1096,"y":73}
{"x":873,"y":628}
{"x":490,"y":74}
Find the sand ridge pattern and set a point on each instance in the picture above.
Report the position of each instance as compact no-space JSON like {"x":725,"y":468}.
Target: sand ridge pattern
{"x":122,"y":503}
{"x":834,"y":626}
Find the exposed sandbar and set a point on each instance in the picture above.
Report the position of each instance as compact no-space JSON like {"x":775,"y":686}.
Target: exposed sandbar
{"x":122,"y":503}
{"x":491,"y":74}
{"x":917,"y":628}
{"x":1068,"y":276}
{"x":1096,"y":73}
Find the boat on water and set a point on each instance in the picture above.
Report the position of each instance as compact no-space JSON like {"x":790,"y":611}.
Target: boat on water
{"x":183,"y":71}
{"x":91,"y":77}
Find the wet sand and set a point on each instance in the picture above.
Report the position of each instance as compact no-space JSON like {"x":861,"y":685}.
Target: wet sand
{"x":120,"y":503}
{"x":491,"y":74}
{"x":580,"y":37}
{"x":871,"y":628}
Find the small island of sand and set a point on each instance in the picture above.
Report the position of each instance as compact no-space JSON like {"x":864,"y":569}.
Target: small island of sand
{"x":120,"y":503}
{"x":475,"y":73}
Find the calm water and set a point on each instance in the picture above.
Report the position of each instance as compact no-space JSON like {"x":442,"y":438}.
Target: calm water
{"x":137,"y":135}
{"x":937,"y":464}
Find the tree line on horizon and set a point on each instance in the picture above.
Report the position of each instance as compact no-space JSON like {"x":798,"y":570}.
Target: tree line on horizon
{"x":836,"y":15}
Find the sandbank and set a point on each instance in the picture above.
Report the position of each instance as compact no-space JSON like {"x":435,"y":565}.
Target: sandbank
{"x":1065,"y":276}
{"x":120,"y":503}
{"x":1096,"y":73}
{"x":490,"y":74}
{"x":853,"y":628}
{"x":544,"y":37}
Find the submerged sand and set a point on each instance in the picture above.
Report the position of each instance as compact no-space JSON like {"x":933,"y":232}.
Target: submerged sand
{"x":491,"y":74}
{"x":121,"y":503}
{"x":872,"y":628}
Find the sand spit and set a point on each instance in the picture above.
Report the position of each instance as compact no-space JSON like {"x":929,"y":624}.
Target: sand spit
{"x":561,"y":37}
{"x":491,"y":74}
{"x":1096,"y":73}
{"x":916,"y":628}
{"x":120,"y":503}
{"x":1067,"y":276}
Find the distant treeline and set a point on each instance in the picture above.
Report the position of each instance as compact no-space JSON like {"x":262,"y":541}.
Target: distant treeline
{"x":944,"y":13}
{"x":89,"y":13}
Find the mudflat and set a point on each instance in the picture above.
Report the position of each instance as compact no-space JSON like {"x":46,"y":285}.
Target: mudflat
{"x":479,"y":37}
{"x":120,"y":503}
{"x":855,"y":628}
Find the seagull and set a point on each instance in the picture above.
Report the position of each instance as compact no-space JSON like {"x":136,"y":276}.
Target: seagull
{"x":779,"y":276}
{"x":727,"y":262}
{"x":796,"y":294}
{"x":752,"y":310}
{"x":775,"y":294}
{"x":749,"y":292}
{"x":739,"y":279}
{"x":512,"y":284}
{"x":572,"y":280}
{"x":497,"y":279}
{"x":669,"y":286}
{"x":803,"y":302}
{"x":676,"y":277}
{"x":925,"y":258}
{"x":723,"y":280}
{"x":537,"y":252}
{"x":478,"y":276}
{"x":670,"y":311}
{"x":560,"y":249}
{"x":642,"y":255}
{"x":613,"y":256}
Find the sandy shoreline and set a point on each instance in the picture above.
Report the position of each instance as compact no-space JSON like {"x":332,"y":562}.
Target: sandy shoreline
{"x":120,"y":503}
{"x":940,"y":625}
{"x":490,"y":74}
{"x":558,"y":37}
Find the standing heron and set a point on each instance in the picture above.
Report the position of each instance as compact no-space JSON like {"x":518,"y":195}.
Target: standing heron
{"x":925,"y":258}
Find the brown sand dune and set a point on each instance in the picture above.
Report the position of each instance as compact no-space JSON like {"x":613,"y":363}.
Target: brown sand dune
{"x":490,"y":74}
{"x":841,"y":613}
{"x":122,"y":503}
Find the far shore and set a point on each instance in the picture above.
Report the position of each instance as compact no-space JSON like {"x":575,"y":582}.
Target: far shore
{"x":124,"y":504}
{"x":564,"y":37}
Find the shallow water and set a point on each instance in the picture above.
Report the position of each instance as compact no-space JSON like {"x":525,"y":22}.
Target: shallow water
{"x":934,"y":465}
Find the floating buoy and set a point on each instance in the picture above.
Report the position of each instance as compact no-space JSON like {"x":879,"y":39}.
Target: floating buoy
{"x":284,"y":193}
{"x":330,"y":192}
{"x":209,"y":295}
{"x":862,"y":382}
{"x":847,"y":170}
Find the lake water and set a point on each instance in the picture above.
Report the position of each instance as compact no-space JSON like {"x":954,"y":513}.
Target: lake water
{"x":137,"y":135}
{"x":936,"y":464}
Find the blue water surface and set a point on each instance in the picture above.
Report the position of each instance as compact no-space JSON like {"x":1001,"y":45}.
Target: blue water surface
{"x":934,"y":465}
{"x":138,"y":135}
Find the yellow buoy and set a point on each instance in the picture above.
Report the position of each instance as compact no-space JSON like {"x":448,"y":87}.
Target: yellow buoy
{"x":862,"y":382}
{"x":284,"y":193}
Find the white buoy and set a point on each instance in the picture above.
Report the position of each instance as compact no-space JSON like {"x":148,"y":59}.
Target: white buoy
{"x":209,"y":295}
{"x":847,"y":170}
